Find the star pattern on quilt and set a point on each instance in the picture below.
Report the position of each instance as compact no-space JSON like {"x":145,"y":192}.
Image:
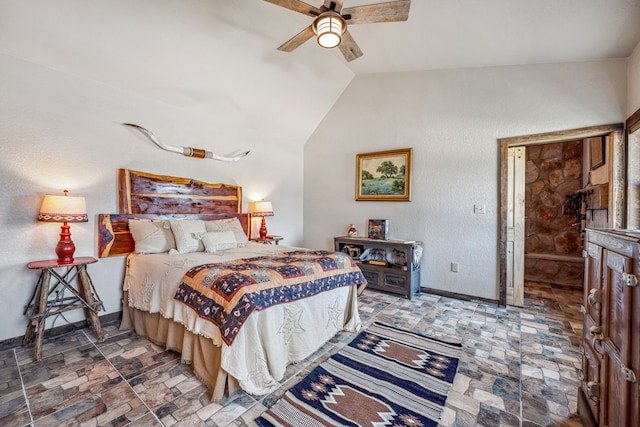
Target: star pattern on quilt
{"x":179,"y":263}
{"x":259,"y":368}
{"x":335,"y":315}
{"x":291,"y":323}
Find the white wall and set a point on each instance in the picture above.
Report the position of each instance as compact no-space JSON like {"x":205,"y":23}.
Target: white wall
{"x":195,"y":72}
{"x":59,"y":131}
{"x":452,"y":119}
{"x":633,"y":81}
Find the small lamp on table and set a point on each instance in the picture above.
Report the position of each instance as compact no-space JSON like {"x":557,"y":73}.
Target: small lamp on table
{"x":64,"y":209}
{"x":262,"y":209}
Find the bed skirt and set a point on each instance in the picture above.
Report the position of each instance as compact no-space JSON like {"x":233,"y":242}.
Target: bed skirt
{"x":195,"y":350}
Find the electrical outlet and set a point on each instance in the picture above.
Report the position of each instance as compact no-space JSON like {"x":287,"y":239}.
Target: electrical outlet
{"x":455,"y":267}
{"x":479,"y":209}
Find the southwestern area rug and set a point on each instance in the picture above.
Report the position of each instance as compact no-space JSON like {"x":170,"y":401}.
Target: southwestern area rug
{"x":385,"y":377}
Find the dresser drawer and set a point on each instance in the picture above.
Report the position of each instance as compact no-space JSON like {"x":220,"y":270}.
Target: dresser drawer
{"x":394,"y":282}
{"x":373,"y":277}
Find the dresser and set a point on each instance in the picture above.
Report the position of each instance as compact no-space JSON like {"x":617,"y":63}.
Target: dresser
{"x":388,"y":265}
{"x":609,"y":394}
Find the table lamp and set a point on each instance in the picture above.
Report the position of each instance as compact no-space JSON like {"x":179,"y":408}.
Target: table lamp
{"x":262,"y":209}
{"x":64,"y":209}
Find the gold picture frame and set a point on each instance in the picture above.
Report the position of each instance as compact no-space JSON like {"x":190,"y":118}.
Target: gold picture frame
{"x":384,"y":176}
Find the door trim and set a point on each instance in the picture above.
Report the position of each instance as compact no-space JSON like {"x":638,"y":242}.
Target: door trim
{"x":617,"y":181}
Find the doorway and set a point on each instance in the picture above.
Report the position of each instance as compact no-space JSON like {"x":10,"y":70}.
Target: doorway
{"x":511,"y":262}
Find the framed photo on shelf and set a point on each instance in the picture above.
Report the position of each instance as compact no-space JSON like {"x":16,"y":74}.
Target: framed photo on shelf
{"x":384,"y":175}
{"x":378,"y":229}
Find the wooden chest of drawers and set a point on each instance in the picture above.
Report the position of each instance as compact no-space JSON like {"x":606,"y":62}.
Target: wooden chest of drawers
{"x":609,"y":394}
{"x":388,"y":265}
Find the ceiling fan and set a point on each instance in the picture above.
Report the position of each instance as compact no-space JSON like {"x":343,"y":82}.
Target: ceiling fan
{"x":331,"y":20}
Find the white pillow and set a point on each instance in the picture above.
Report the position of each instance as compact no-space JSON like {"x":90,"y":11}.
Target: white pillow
{"x":151,"y":237}
{"x":232,"y":224}
{"x":218,"y":240}
{"x":186,"y":233}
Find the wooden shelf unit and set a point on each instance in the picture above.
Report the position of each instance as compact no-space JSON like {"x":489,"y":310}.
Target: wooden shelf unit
{"x":388,"y":265}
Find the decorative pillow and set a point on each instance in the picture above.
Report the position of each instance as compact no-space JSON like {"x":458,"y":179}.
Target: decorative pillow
{"x":151,"y":237}
{"x":186,"y":233}
{"x":218,"y":241}
{"x":232,"y":224}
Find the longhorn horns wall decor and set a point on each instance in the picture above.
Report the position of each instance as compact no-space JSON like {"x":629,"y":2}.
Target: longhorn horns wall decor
{"x":188,"y":151}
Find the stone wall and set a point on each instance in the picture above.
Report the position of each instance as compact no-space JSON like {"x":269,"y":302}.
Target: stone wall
{"x":553,"y":245}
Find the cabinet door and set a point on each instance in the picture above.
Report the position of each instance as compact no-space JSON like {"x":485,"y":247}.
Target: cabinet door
{"x":593,"y":282}
{"x":617,"y":338}
{"x":617,"y":307}
{"x":591,"y":381}
{"x":634,"y":413}
{"x":616,"y":393}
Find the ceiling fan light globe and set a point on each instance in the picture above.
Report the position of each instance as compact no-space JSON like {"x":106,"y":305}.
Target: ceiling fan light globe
{"x":329,"y":40}
{"x":329,"y":29}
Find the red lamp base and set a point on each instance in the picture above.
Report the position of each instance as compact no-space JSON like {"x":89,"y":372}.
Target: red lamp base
{"x":263,"y":229}
{"x":65,"y":247}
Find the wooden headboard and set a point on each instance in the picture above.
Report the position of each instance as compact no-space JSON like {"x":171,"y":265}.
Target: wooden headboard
{"x":146,"y":193}
{"x":143,"y":195}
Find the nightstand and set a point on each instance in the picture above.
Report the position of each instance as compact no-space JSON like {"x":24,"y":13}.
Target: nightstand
{"x":48,"y":300}
{"x":269,"y":240}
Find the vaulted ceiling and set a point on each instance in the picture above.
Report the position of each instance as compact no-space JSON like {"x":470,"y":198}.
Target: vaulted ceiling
{"x":220,"y":57}
{"x":127,"y":37}
{"x":469,"y":33}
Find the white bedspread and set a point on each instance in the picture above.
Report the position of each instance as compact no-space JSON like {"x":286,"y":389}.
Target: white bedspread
{"x":269,"y":340}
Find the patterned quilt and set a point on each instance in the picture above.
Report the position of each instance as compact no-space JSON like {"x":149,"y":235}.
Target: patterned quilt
{"x":227,"y":293}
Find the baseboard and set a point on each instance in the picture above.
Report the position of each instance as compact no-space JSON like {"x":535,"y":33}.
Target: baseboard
{"x":62,"y":329}
{"x":455,"y":295}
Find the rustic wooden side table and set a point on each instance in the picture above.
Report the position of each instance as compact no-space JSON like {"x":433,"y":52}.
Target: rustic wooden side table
{"x":47,"y":300}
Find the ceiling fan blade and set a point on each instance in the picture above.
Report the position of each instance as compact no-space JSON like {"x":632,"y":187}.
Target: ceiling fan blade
{"x":349,"y":47}
{"x":337,"y":5}
{"x":392,"y":11}
{"x":297,"y":40}
{"x":297,"y":6}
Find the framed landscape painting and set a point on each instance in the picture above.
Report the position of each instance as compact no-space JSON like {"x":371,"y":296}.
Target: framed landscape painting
{"x":384,"y":175}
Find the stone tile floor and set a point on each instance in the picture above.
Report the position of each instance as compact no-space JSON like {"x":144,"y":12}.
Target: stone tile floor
{"x":519,"y":367}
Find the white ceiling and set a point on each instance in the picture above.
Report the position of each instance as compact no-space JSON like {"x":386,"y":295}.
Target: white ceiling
{"x":217,"y":59}
{"x":439,"y":34}
{"x":479,"y":33}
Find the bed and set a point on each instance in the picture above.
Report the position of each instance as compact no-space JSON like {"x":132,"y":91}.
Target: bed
{"x":238,"y":314}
